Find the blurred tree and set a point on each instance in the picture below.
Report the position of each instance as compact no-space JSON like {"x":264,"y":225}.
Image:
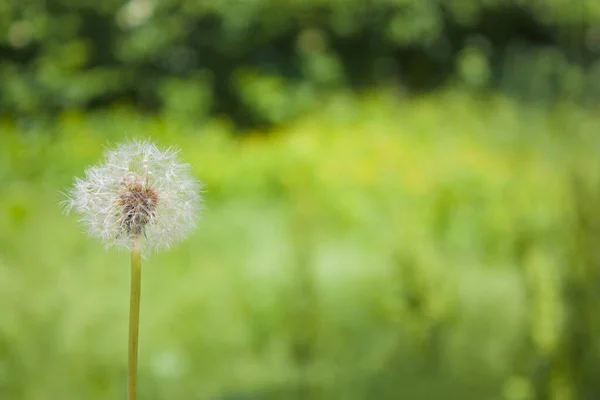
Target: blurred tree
{"x":61,"y":54}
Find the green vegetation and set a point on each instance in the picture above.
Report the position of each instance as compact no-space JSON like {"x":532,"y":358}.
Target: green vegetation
{"x":265,"y":61}
{"x":442,"y":247}
{"x":362,"y":240}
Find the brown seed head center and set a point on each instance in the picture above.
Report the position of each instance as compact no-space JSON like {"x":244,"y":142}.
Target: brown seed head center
{"x":138,"y":207}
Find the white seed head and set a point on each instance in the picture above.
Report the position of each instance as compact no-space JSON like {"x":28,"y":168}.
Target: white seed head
{"x":139,"y":193}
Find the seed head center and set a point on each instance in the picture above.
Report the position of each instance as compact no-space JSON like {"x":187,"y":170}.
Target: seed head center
{"x":137,"y":207}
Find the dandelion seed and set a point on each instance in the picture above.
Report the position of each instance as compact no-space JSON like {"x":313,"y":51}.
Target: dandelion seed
{"x":139,"y":190}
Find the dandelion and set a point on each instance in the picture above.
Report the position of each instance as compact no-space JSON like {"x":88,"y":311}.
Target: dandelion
{"x":139,"y":192}
{"x":141,"y":198}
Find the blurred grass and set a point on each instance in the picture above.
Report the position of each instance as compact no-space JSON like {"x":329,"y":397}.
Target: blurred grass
{"x":374,"y":249}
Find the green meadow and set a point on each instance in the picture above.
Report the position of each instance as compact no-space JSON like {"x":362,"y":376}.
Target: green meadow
{"x":439,"y":247}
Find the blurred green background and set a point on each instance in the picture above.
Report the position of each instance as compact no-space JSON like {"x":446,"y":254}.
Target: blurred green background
{"x":402,"y":198}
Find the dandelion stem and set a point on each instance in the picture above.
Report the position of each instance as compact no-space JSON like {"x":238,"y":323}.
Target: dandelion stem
{"x":134,"y":320}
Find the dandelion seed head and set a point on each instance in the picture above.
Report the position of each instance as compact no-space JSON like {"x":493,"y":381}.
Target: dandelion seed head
{"x":138,"y":192}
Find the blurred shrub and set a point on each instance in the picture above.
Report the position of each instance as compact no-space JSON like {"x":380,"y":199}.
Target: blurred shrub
{"x":438,"y":248}
{"x":262,"y":61}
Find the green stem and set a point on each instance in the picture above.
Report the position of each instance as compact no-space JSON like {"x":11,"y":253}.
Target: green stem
{"x":134,"y":321}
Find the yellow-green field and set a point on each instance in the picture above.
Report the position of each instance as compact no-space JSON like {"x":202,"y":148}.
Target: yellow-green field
{"x":434,"y":248}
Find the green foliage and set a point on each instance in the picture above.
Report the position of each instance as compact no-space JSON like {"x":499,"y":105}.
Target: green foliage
{"x":263,"y":61}
{"x":437,"y":248}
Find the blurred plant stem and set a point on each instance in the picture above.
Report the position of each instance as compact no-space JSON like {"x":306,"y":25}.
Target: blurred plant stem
{"x":305,"y":299}
{"x":134,"y":320}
